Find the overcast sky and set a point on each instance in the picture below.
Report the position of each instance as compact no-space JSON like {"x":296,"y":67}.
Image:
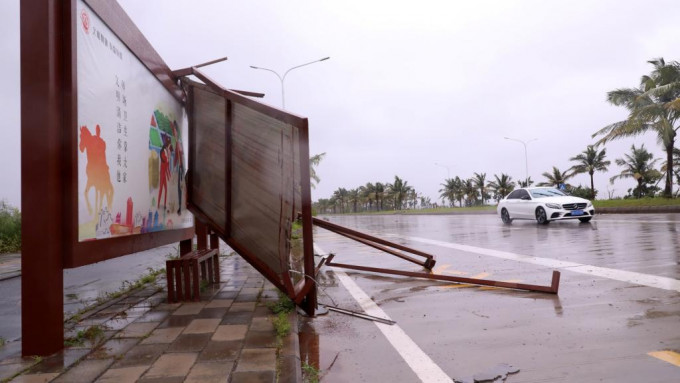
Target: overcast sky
{"x":409,"y":84}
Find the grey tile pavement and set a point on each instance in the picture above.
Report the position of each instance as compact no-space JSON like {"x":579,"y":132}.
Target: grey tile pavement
{"x":227,"y":337}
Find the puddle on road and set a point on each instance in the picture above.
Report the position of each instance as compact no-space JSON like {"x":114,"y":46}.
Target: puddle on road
{"x":497,"y":373}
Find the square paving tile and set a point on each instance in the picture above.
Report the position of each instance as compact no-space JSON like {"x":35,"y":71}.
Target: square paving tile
{"x":137,"y":330}
{"x":141,"y":355}
{"x":126,"y":374}
{"x":154,"y":316}
{"x":260,"y":339}
{"x":172,"y":365}
{"x":177,"y":321}
{"x":210,"y":373}
{"x":36,"y":378}
{"x":60,"y":361}
{"x":113,"y":348}
{"x":261,"y":324}
{"x":246,"y":297}
{"x":163,"y":335}
{"x":230,"y":332}
{"x":261,"y":359}
{"x":189,"y":308}
{"x":85,"y":371}
{"x":243,"y":317}
{"x":253,"y":377}
{"x":219,"y":303}
{"x":218,"y":312}
{"x":199,"y":326}
{"x":221,"y":351}
{"x":190,"y":343}
{"x":242,"y":306}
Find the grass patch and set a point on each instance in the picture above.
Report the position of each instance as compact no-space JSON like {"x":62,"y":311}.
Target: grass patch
{"x":633,"y":202}
{"x":281,"y":324}
{"x":310,"y":374}
{"x":10,"y":228}
{"x":93,"y":334}
{"x":283,"y":305}
{"x":2,"y":341}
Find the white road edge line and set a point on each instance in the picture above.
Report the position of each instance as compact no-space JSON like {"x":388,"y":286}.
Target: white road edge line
{"x":604,"y":272}
{"x":421,"y":364}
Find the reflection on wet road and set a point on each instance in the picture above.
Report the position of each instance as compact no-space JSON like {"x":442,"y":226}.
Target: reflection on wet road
{"x":616,"y":318}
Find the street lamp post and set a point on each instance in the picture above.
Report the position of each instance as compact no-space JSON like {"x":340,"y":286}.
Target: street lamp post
{"x":283,"y":78}
{"x":526,"y":157}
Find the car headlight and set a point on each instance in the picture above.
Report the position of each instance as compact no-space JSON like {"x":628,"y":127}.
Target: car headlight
{"x":590,"y":204}
{"x":553,"y":206}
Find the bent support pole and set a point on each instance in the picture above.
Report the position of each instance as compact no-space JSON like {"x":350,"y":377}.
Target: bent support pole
{"x":378,"y":243}
{"x":552,"y":289}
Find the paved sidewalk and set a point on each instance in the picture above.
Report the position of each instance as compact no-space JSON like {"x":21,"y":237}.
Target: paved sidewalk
{"x":227,"y":337}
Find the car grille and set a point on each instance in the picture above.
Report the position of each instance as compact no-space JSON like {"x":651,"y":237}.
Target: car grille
{"x":574,"y":206}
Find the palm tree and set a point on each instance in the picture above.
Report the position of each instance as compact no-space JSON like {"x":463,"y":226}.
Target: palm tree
{"x":399,"y":190}
{"x":501,"y":186}
{"x":589,"y":161}
{"x":556,"y":179}
{"x":525,"y":184}
{"x":313,"y":163}
{"x":676,"y":168}
{"x":480,"y":182}
{"x":379,"y":195}
{"x":653,"y":106}
{"x":341,"y":195}
{"x":638,"y":165}
{"x":368,"y":192}
{"x":353,"y":197}
{"x":470,"y":190}
{"x":449,"y":189}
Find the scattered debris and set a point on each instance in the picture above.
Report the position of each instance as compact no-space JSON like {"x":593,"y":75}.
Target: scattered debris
{"x":499,"y":373}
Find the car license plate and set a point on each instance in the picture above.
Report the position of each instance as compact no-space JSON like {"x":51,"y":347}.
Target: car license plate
{"x":577,"y":212}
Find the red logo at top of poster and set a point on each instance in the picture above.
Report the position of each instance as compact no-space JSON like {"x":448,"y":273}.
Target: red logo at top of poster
{"x":85,"y":18}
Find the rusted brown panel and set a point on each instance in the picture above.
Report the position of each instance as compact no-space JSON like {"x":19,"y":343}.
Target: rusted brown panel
{"x":208,"y":169}
{"x":42,"y":162}
{"x":262,"y":215}
{"x":121,"y":24}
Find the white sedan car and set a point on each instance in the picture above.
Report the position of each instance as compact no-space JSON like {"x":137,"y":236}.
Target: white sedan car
{"x":544,"y":204}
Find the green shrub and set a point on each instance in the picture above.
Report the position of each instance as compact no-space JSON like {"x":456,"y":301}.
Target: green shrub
{"x":10,"y":228}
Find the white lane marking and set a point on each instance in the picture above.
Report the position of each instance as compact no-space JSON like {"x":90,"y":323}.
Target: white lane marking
{"x":604,"y":272}
{"x":421,"y":364}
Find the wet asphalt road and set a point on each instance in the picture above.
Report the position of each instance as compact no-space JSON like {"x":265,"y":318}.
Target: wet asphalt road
{"x":618,"y":305}
{"x":82,"y":286}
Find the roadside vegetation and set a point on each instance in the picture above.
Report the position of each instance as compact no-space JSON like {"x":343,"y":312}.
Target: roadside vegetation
{"x":10,"y":228}
{"x":654,"y":108}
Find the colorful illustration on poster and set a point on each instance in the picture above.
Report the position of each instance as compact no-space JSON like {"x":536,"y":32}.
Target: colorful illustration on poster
{"x":131,"y":165}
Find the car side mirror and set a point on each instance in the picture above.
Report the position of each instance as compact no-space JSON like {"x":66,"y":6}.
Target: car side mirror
{"x":526,"y":198}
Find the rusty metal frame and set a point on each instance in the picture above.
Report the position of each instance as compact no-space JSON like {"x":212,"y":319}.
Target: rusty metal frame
{"x":378,"y":243}
{"x":383,"y":245}
{"x":304,"y":292}
{"x":552,"y":289}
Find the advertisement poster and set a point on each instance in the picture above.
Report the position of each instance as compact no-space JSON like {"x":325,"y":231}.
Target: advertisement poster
{"x":131,"y":140}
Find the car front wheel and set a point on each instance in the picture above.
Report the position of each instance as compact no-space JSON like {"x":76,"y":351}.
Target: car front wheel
{"x":505,"y":216}
{"x":541,"y":216}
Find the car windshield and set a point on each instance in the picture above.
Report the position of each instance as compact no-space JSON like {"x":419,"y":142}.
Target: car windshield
{"x":546,"y":192}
